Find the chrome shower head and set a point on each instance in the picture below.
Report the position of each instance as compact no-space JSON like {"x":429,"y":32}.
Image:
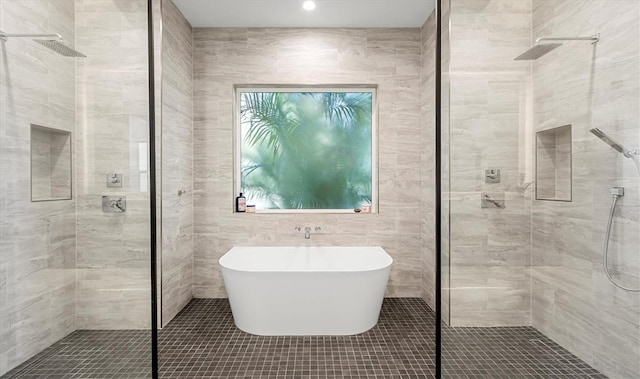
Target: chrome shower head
{"x":52,"y":41}
{"x":537,"y":51}
{"x":610,"y":141}
{"x":60,"y":48}
{"x":542,"y":47}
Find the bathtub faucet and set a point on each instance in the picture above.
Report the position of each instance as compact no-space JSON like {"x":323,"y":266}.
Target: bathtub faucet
{"x":307,"y":231}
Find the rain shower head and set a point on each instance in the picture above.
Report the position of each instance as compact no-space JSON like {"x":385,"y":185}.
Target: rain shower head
{"x":610,"y":141}
{"x":541,"y":48}
{"x":54,"y":42}
{"x":537,"y":51}
{"x":60,"y":48}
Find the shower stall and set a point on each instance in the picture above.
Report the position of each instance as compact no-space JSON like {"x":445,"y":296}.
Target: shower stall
{"x":530,"y":90}
{"x":74,"y":186}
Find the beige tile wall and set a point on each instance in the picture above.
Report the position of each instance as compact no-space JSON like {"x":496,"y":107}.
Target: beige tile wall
{"x":553,"y":163}
{"x":489,"y":248}
{"x":177,"y":162}
{"x":50,"y":164}
{"x":427,"y":159}
{"x":445,"y":173}
{"x":390,"y":58}
{"x":495,"y":111}
{"x":590,"y":86}
{"x":112,"y":122}
{"x":156,"y":8}
{"x":37,"y":240}
{"x":40,"y":164}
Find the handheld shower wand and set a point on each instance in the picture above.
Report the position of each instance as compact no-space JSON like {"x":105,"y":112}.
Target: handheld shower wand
{"x":617,"y":193}
{"x":633,"y":154}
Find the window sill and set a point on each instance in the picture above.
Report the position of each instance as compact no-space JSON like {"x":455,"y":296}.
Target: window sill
{"x":305,"y":211}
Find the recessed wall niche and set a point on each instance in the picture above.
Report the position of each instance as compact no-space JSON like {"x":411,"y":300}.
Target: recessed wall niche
{"x":50,"y":164}
{"x":553,"y":164}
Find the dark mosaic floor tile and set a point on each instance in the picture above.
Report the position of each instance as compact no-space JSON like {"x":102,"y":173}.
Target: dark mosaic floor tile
{"x":400,"y":346}
{"x":203,"y":342}
{"x":508,"y":352}
{"x":92,"y":354}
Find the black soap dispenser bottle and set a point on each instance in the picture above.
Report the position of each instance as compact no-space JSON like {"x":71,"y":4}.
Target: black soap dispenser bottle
{"x":241,"y":203}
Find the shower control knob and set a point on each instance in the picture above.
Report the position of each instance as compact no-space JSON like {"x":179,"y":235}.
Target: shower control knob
{"x":492,"y":175}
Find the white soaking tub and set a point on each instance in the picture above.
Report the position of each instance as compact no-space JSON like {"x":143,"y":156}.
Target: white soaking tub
{"x":293,"y":291}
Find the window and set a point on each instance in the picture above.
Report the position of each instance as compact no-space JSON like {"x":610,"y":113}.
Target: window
{"x":306,"y":148}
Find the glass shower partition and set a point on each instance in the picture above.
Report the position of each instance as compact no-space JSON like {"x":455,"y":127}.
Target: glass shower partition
{"x":528,"y":188}
{"x":74,"y":189}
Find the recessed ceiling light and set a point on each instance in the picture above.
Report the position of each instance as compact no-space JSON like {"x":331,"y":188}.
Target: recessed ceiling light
{"x":309,"y":5}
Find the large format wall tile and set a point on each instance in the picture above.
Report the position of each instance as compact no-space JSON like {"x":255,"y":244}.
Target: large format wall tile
{"x":390,"y":58}
{"x":590,"y":86}
{"x":489,"y":248}
{"x":537,"y":261}
{"x":427,"y":159}
{"x":112,"y":120}
{"x":177,"y":162}
{"x":38,"y":239}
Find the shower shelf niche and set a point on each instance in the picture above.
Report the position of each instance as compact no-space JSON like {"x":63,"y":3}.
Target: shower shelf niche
{"x":553,"y":164}
{"x":50,"y":164}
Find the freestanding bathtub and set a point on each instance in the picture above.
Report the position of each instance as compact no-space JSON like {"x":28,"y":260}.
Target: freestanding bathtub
{"x":291,"y":291}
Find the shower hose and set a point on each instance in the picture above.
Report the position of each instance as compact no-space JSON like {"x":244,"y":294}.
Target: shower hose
{"x":606,"y":248}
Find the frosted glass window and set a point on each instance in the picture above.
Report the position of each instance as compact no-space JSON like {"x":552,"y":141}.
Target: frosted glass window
{"x":306,"y":149}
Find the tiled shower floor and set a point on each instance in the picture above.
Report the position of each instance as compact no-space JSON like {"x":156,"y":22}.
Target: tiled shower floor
{"x":203,"y":342}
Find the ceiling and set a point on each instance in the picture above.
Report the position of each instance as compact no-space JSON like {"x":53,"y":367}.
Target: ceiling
{"x":289,"y":13}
